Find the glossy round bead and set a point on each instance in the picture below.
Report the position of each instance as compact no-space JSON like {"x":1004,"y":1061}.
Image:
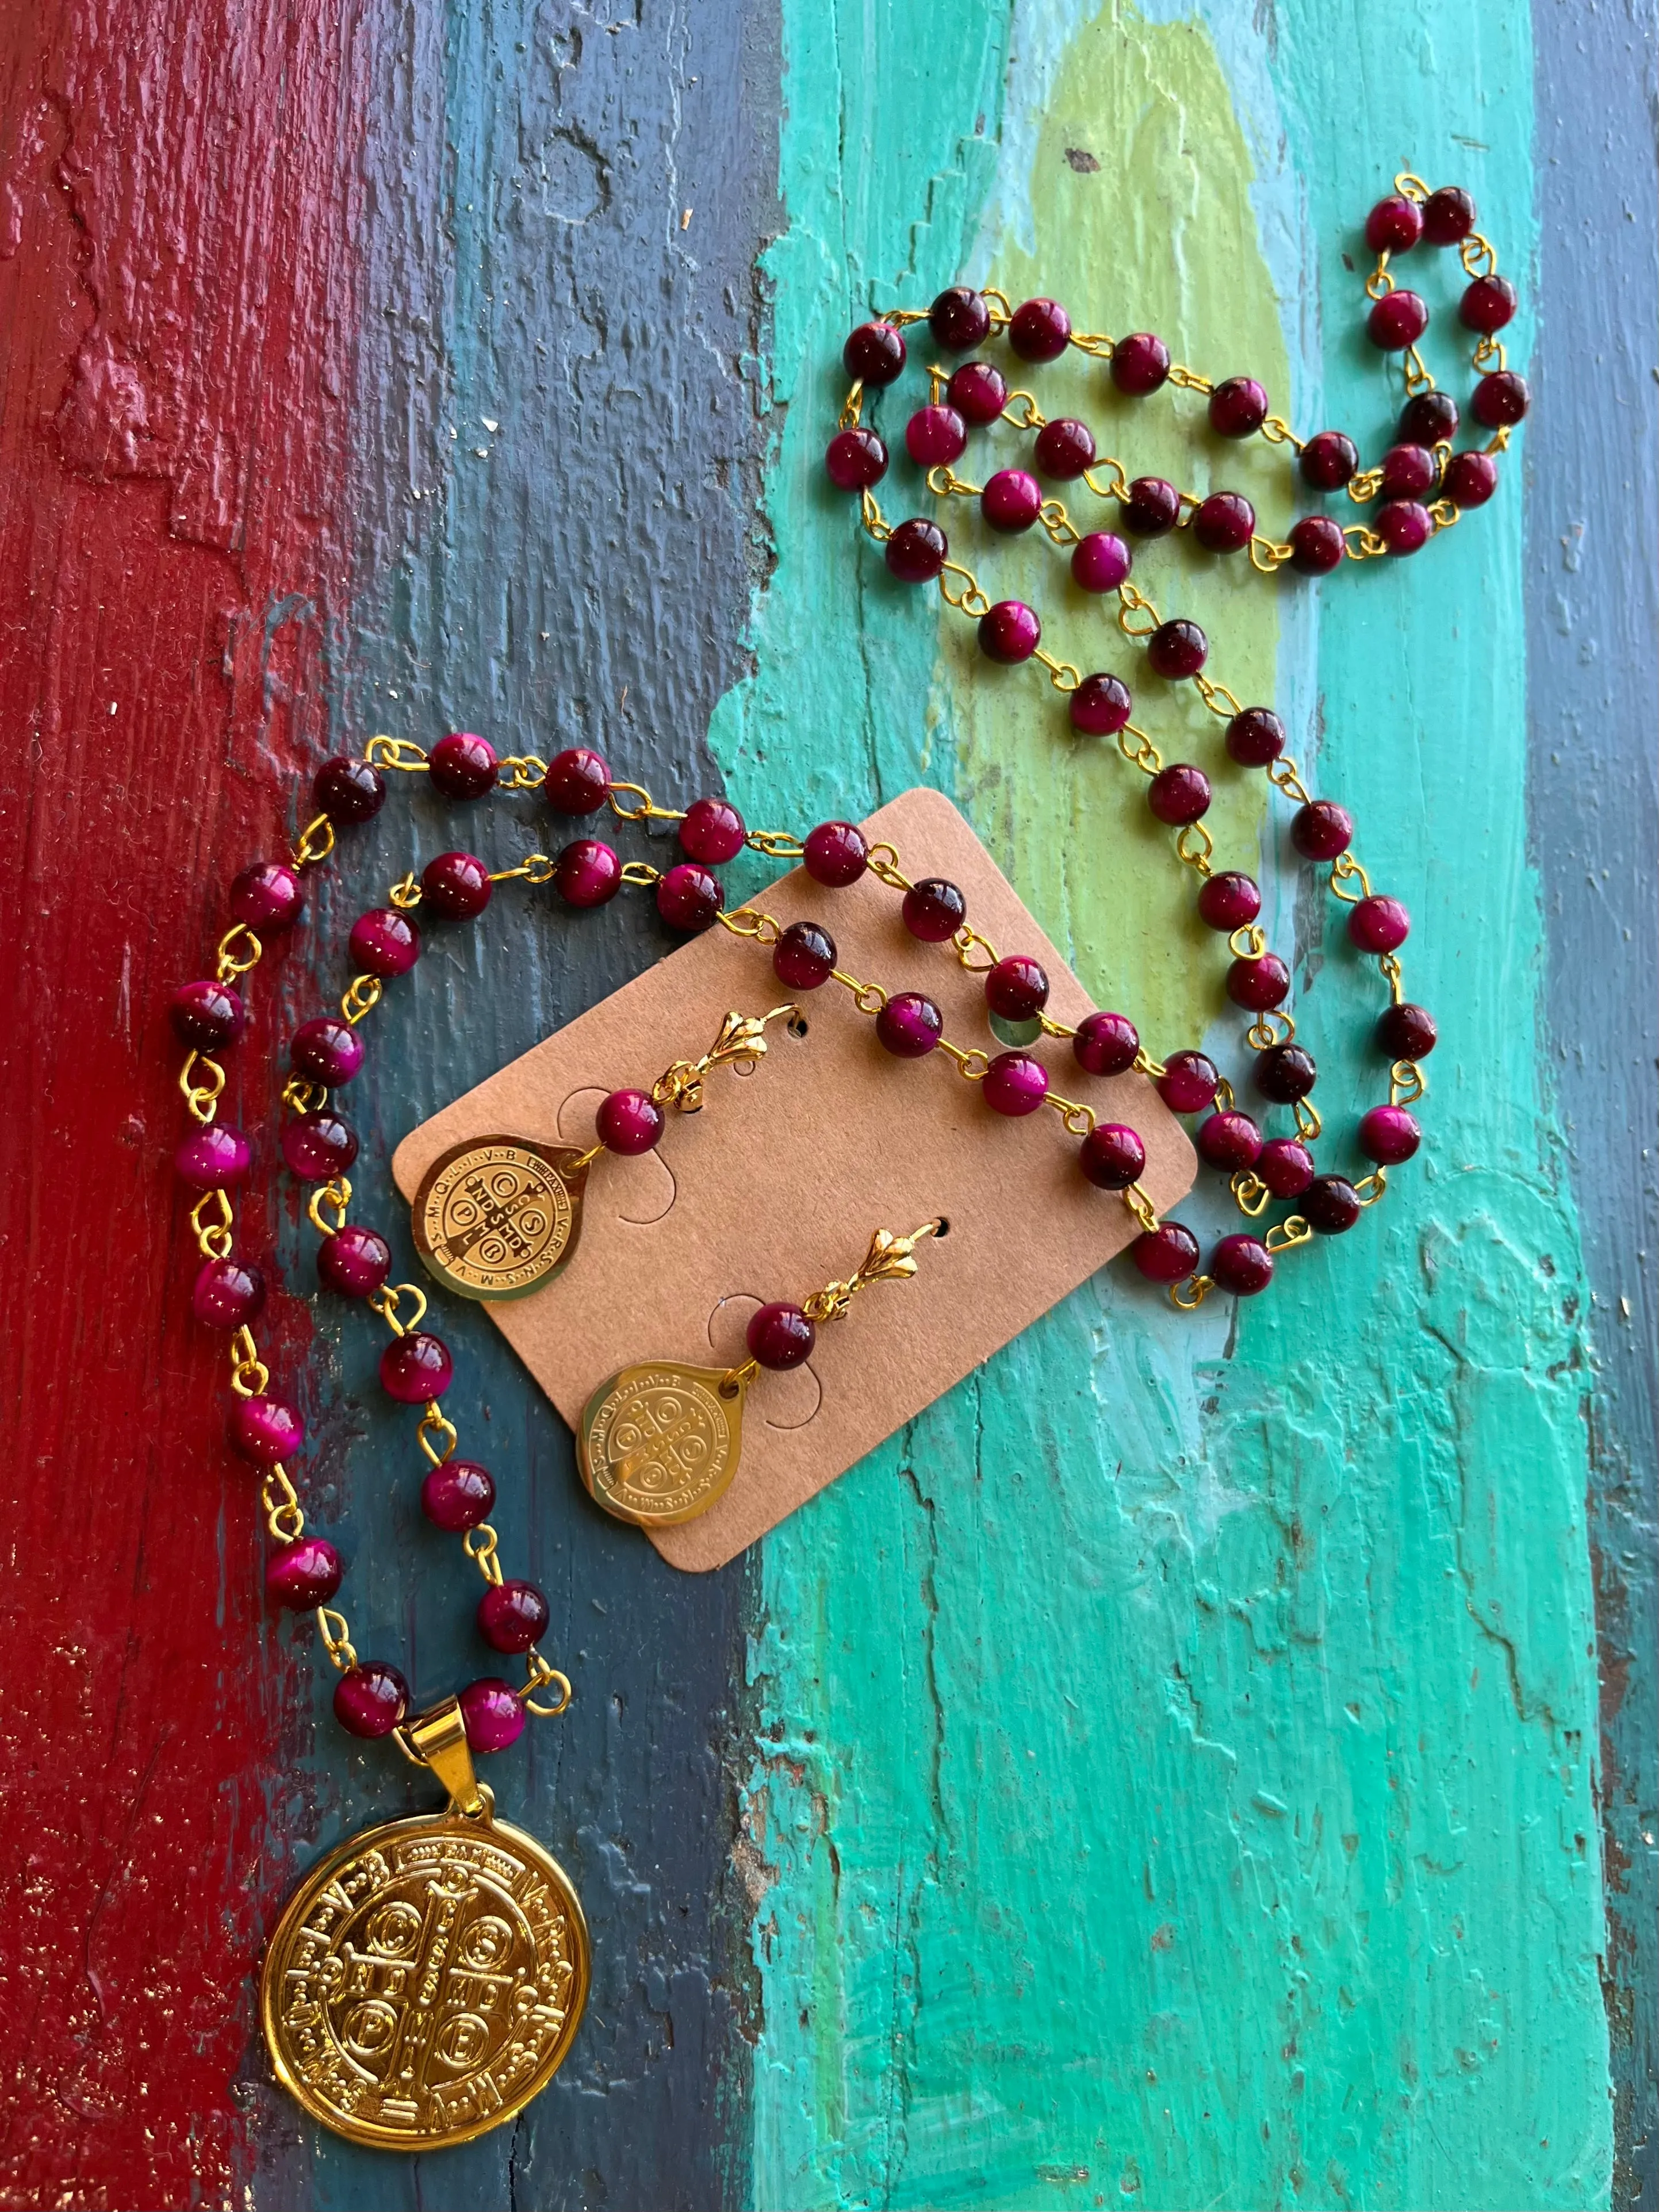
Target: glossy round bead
{"x":416,"y":1368}
{"x":1329,"y":460}
{"x":1152,"y":506}
{"x":1257,"y":984}
{"x":1389,"y":1134}
{"x":1111,"y":1155}
{"x":491,"y":1715}
{"x":933,"y":909}
{"x":207,"y":1016}
{"x":319,"y":1146}
{"x":267,"y":896}
{"x":587,"y":872}
{"x":855,"y":459}
{"x":213,"y":1158}
{"x":916,"y":551}
{"x":1228,"y":1141}
{"x":1405,"y":526}
{"x":1105,"y":1044}
{"x":909,"y":1025}
{"x":264,"y":1430}
{"x":348,"y":791}
{"x":1378,"y":925}
{"x":458,"y":1495}
{"x":688,"y":898}
{"x":1015,"y":1084}
{"x":959,"y":319}
{"x":1317,"y":545}
{"x":1100,"y":561}
{"x":1225,"y":522}
{"x":1488,"y":305}
{"x":1017,"y":988}
{"x":1471,"y":479}
{"x":456,"y":885}
{"x":804,"y":956}
{"x":1285,"y":1166}
{"x":781,"y":1335}
{"x":330,"y":1052}
{"x":1100,"y":706}
{"x":1228,"y":901}
{"x":1012,"y":500}
{"x":712,"y":831}
{"x":1394,"y":225}
{"x":1254,"y":737}
{"x":1241,"y":1266}
{"x":302,"y":1575}
{"x":1040,"y":330}
{"x":1064,"y":449}
{"x":1321,"y":830}
{"x":1408,"y":472}
{"x":1447,"y":217}
{"x":1406,"y":1032}
{"x":1177,"y":649}
{"x":1167,"y":1254}
{"x":935,"y":434}
{"x":1330,"y":1204}
{"x":370,"y":1699}
{"x":837,"y":853}
{"x":1286,"y":1072}
{"x":1009,"y":632}
{"x":874,"y":353}
{"x":1429,"y":418}
{"x":1501,"y":399}
{"x":577,"y":781}
{"x":511,"y":1616}
{"x":1238,"y":408}
{"x":1179,"y":793}
{"x":1188,"y":1083}
{"x":226,"y":1293}
{"x":1397,"y":321}
{"x":628,"y":1122}
{"x":462,"y":766}
{"x":1140,"y":363}
{"x":978,"y":391}
{"x":353,"y":1260}
{"x":383,"y":942}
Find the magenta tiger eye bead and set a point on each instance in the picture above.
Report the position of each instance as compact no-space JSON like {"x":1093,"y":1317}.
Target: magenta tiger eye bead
{"x":383,"y":942}
{"x":491,"y":1715}
{"x":458,"y":1495}
{"x":1100,"y":561}
{"x":1105,"y":1044}
{"x":1389,"y":1134}
{"x":587,"y":872}
{"x":1225,"y":522}
{"x":1284,"y":1073}
{"x":959,"y":319}
{"x":1111,"y":1155}
{"x":688,"y":898}
{"x":1188,"y":1083}
{"x":916,"y":551}
{"x":319,"y":1146}
{"x":1317,"y":545}
{"x":1254,"y":737}
{"x":978,"y":391}
{"x":330,"y":1052}
{"x":462,"y":766}
{"x":577,"y":781}
{"x":302,"y":1575}
{"x":836,"y":854}
{"x":1429,"y":418}
{"x":265,"y":1430}
{"x":1176,"y":650}
{"x":1152,"y":506}
{"x":935,"y":436}
{"x":1471,"y":479}
{"x":349,"y":791}
{"x":1101,"y":706}
{"x":1064,"y":449}
{"x":457,"y":885}
{"x":1258,"y":984}
{"x":1488,"y":304}
{"x":1015,"y":1084}
{"x":855,"y":459}
{"x":1501,"y":399}
{"x":1228,"y":901}
{"x":1397,"y":321}
{"x":1329,"y":460}
{"x":804,"y":956}
{"x":353,"y":1260}
{"x":909,"y":1025}
{"x":1378,"y":925}
{"x":1012,"y":500}
{"x":226,"y":1293}
{"x":1285,"y":1166}
{"x":1009,"y":632}
{"x":1238,"y":408}
{"x":207,"y":1016}
{"x":1448,"y":215}
{"x":712,"y":831}
{"x":268,"y":896}
{"x":416,"y":1368}
{"x":213,"y":1158}
{"x":370,"y":1699}
{"x":511,"y":1616}
{"x":1229,"y":1141}
{"x":1166,"y":1254}
{"x":1040,"y":330}
{"x":1017,"y":988}
{"x":1140,"y":363}
{"x":1406,"y":1032}
{"x":874,"y":353}
{"x":781,"y":1335}
{"x":1241,"y":1266}
{"x":1394,"y":225}
{"x":1321,"y":830}
{"x":628,"y":1122}
{"x":1179,"y":793}
{"x":1330,"y":1205}
{"x":933,"y":909}
{"x":1408,"y":472}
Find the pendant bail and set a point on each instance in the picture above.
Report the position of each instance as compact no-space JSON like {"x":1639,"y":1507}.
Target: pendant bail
{"x":439,"y":1738}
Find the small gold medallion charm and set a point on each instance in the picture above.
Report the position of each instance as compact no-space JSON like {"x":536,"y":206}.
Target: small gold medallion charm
{"x":497,"y":1217}
{"x":657,"y":1444}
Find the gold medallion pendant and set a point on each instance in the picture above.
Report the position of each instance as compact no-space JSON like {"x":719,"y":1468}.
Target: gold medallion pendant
{"x":497,"y":1217}
{"x":427,"y":1977}
{"x":658,"y":1442}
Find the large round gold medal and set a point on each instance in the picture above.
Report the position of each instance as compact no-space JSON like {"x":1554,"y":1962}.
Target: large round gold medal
{"x":499,"y":1216}
{"x":657,"y":1444}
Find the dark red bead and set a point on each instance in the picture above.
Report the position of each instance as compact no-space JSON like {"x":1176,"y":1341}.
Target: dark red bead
{"x":1167,"y":1254}
{"x":1405,"y":526}
{"x":213,"y":1158}
{"x":353,"y":1260}
{"x":302,"y":1575}
{"x":1140,"y":363}
{"x":628,"y":1122}
{"x":319,"y":1146}
{"x":1009,"y":632}
{"x":688,"y":898}
{"x":457,"y":1496}
{"x":781,"y":1335}
{"x":1448,"y":215}
{"x":1040,"y":330}
{"x":978,"y":391}
{"x":855,"y":459}
{"x":1152,"y":506}
{"x":383,"y":942}
{"x":577,"y":781}
{"x":1429,"y":418}
{"x":1179,"y":793}
{"x":456,"y":885}
{"x":1285,"y":1166}
{"x":1397,"y":321}
{"x":1241,"y":1266}
{"x":1188,"y":1083}
{"x":511,"y":1616}
{"x":1500,"y":400}
{"x":416,"y":1368}
{"x":874,"y":353}
{"x":1111,"y":1155}
{"x":1012,"y":500}
{"x":226,"y":1293}
{"x":1329,"y":460}
{"x":916,"y":551}
{"x":491,"y":1714}
{"x":348,"y":791}
{"x":1394,"y":225}
{"x":587,"y":872}
{"x":1408,"y":472}
{"x":804,"y":956}
{"x":1238,"y":408}
{"x":1317,"y":544}
{"x":1330,"y":1204}
{"x":1017,"y":988}
{"x":935,"y":435}
{"x":1065,"y":447}
{"x":330,"y":1052}
{"x":712,"y":831}
{"x":1390,"y":1136}
{"x":1100,"y":561}
{"x":370,"y":1699}
{"x":462,"y":766}
{"x":1471,"y":479}
{"x":837,"y":853}
{"x":1228,"y":901}
{"x":1228,"y":1141}
{"x":267,"y":896}
{"x":1177,"y":649}
{"x":265,"y":1430}
{"x":934,"y":910}
{"x":1015,"y":1084}
{"x":1225,"y":522}
{"x":959,"y":319}
{"x":1105,"y":1044}
{"x":1101,"y":706}
{"x":1255,"y":736}
{"x":1488,"y":305}
{"x":1257,"y":984}
{"x":207,"y":1016}
{"x":1321,"y":830}
{"x":1406,"y":1032}
{"x":1286,"y":1072}
{"x":1379,"y":925}
{"x":909,"y":1025}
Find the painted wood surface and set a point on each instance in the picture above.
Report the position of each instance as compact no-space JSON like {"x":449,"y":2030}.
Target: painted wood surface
{"x":1173,"y":1772}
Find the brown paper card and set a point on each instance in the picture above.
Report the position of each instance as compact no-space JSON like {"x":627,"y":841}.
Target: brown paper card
{"x":774,"y":1189}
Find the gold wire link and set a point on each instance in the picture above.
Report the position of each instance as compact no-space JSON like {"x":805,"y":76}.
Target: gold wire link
{"x":435,"y":1422}
{"x":973,"y":1066}
{"x":402,"y":754}
{"x":1370,"y":1188}
{"x":335,"y":1629}
{"x":1188,"y":379}
{"x":1196,"y":853}
{"x":1030,"y":416}
{"x":1078,"y":1119}
{"x":938,"y":379}
{"x":1410,"y":186}
{"x":776,"y":844}
{"x":1278,"y":432}
{"x":1131,"y":602}
{"x":852,"y":407}
{"x":1395,"y":976}
{"x":1379,"y":283}
{"x":1217,"y":697}
{"x":1261,"y":1035}
{"x":868,"y":998}
{"x":316,"y":842}
{"x":237,"y":951}
{"x":520,"y":771}
{"x":640,"y":873}
{"x":1053,"y":1028}
{"x":1118,"y":488}
{"x":750,"y":922}
{"x":302,"y":1095}
{"x":405,"y":893}
{"x":1223,"y":1091}
{"x":1285,"y":775}
{"x":249,"y":1376}
{"x":1363,"y":544}
{"x":1248,"y":942}
{"x":213,"y":1236}
{"x":336,"y":1195}
{"x":1476,"y":254}
{"x":1140,"y":1204}
{"x":1059,"y":525}
{"x":1364,"y":485}
{"x":1269,"y":555}
{"x":481,"y":1545}
{"x":1443,"y":513}
{"x":1144,"y":1063}
{"x":1406,"y":1083}
{"x":359,"y":996}
{"x":284,"y":1516}
{"x":1191,"y":1294}
{"x":883,"y":861}
{"x":540,"y":1676}
{"x":1249,"y":1192}
{"x":201,"y":1096}
{"x":1489,"y":352}
{"x":970,"y":600}
{"x":1308,"y":1126}
{"x":968,"y":942}
{"x":1345,"y":870}
{"x":873,"y":521}
{"x":535,"y":868}
{"x":1061,"y":674}
{"x":647,"y":811}
{"x":386,"y":1300}
{"x":1419,"y":377}
{"x":1284,"y":1235}
{"x":1002,"y":312}
{"x":944,"y":483}
{"x":1094,"y":343}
